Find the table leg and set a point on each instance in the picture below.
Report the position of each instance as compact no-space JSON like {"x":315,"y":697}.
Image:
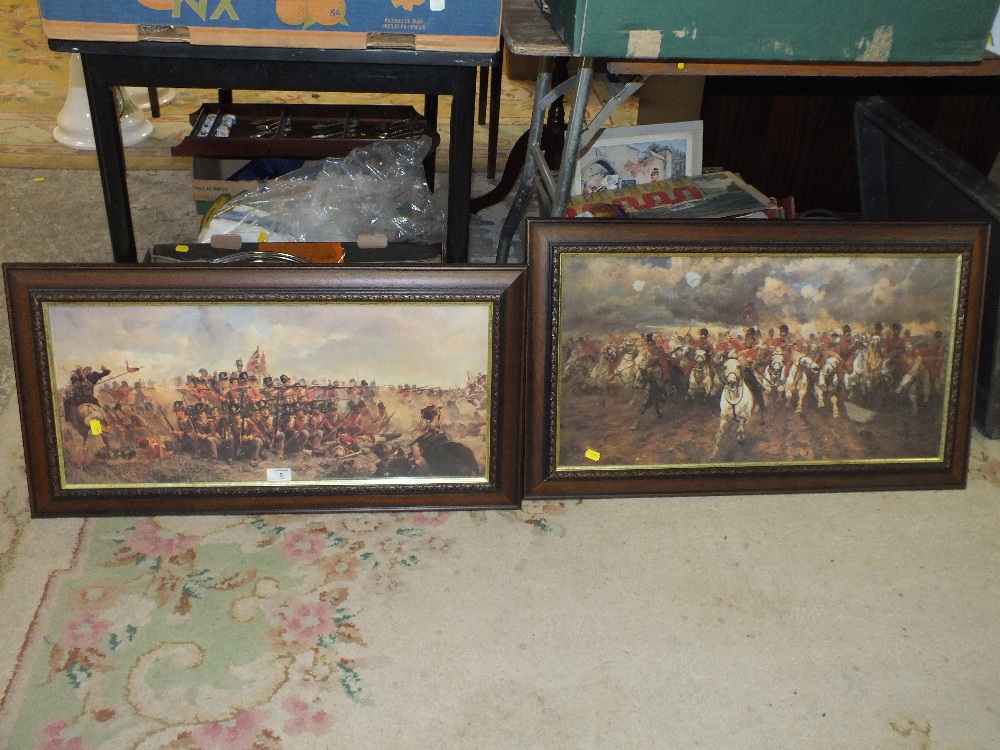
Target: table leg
{"x":110,"y":159}
{"x":484,"y":86}
{"x":493,"y":130}
{"x":154,"y":101}
{"x":431,"y":118}
{"x":461,"y":131}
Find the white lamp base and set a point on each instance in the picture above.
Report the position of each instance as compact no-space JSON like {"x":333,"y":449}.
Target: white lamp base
{"x":140,"y":96}
{"x":74,"y":127}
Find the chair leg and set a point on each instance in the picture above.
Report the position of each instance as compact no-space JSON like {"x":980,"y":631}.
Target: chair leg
{"x":489,"y":96}
{"x":154,"y":101}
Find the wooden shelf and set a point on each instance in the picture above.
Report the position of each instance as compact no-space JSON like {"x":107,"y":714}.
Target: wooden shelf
{"x":988,"y":66}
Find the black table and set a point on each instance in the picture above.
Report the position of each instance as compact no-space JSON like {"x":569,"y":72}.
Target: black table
{"x":162,"y":64}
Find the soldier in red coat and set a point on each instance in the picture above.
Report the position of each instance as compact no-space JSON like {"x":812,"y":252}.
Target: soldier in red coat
{"x":933,"y":355}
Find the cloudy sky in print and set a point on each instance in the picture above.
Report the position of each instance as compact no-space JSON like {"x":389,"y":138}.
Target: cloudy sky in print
{"x":626,"y":293}
{"x":427,"y":344}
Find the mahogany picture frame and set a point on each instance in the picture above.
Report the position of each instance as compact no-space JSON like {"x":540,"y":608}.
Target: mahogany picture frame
{"x":162,"y":390}
{"x":623,"y":314}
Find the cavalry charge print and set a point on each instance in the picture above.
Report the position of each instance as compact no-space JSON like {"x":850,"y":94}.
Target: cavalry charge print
{"x":708,"y":359}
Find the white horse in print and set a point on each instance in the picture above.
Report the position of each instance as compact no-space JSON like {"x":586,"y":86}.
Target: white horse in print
{"x":736,"y":404}
{"x":801,"y":377}
{"x":89,"y":419}
{"x":700,"y":379}
{"x":828,"y":385}
{"x":863,"y":371}
{"x":772,"y":377}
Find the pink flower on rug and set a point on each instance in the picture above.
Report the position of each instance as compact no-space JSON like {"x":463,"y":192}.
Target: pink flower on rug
{"x":52,"y":739}
{"x":85,"y":630}
{"x":310,"y":620}
{"x":239,"y":734}
{"x":430,"y":519}
{"x":152,"y":540}
{"x":304,"y":720}
{"x":300,"y":546}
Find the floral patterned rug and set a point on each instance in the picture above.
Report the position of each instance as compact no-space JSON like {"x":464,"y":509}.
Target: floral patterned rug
{"x":251,"y":632}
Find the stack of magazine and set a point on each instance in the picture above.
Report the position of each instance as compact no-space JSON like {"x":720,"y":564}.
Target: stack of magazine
{"x":714,"y":195}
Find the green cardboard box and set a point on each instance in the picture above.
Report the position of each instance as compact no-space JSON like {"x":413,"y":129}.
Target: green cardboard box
{"x":757,"y":30}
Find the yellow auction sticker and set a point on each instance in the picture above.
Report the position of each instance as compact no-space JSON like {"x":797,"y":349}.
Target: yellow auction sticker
{"x":592,"y":454}
{"x":95,"y":427}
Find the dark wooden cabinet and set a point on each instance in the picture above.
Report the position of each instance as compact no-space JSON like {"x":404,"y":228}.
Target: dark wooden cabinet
{"x":795,"y":135}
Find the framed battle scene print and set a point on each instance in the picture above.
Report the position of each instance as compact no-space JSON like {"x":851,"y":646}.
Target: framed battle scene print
{"x":152,"y":390}
{"x":746,"y":356}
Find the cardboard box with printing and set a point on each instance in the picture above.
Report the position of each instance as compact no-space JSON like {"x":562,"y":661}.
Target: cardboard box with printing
{"x":451,"y":25}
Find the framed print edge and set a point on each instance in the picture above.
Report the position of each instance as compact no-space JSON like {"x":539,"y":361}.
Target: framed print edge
{"x":397,"y":455}
{"x":691,"y":131}
{"x":563,"y":251}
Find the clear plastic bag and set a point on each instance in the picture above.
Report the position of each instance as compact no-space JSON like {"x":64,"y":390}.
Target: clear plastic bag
{"x":376,"y":189}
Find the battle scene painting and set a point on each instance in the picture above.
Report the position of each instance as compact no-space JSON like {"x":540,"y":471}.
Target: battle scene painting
{"x":341,"y":393}
{"x":717,"y":359}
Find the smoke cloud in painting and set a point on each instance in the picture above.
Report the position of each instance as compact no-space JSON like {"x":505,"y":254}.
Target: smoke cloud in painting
{"x":631,"y":293}
{"x":426,"y":344}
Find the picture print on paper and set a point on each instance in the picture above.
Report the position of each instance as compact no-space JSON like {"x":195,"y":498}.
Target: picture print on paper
{"x":685,"y":360}
{"x":623,"y":157}
{"x":209,"y":394}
